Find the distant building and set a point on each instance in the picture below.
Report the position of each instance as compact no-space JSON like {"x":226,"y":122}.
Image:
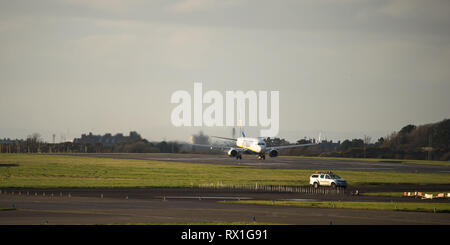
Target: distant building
{"x":200,"y":139}
{"x":8,"y":141}
{"x":107,"y":139}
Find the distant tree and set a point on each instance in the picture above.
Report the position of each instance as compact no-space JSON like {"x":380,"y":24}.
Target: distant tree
{"x":163,"y":146}
{"x":367,"y":139}
{"x":35,"y":138}
{"x":304,"y":141}
{"x":366,"y":142}
{"x":357,"y":142}
{"x":134,"y":136}
{"x":33,"y":142}
{"x":275,"y":141}
{"x":354,"y":143}
{"x":380,"y":141}
{"x":407,"y":129}
{"x":345,"y":145}
{"x":441,"y":135}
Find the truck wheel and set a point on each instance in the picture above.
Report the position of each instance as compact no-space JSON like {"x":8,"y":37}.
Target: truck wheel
{"x":316,"y":185}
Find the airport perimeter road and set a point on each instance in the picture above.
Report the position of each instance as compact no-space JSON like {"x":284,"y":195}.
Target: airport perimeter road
{"x":95,"y":210}
{"x":284,"y":162}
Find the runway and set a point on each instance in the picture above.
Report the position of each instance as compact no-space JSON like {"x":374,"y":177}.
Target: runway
{"x":146,"y":206}
{"x":283,"y":162}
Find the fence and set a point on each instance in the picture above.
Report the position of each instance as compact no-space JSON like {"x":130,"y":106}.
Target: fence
{"x":271,"y":188}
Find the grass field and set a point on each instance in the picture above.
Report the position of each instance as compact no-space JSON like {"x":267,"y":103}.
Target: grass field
{"x":7,"y":209}
{"x":399,"y":206}
{"x":426,"y":162}
{"x":205,"y":223}
{"x":398,"y":194}
{"x":44,"y":171}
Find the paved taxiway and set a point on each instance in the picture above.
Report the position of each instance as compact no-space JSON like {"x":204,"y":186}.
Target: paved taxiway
{"x":179,"y":209}
{"x":284,"y":162}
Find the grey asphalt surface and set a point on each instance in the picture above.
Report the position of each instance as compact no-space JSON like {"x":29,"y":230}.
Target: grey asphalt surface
{"x":187,"y":209}
{"x":283,"y":162}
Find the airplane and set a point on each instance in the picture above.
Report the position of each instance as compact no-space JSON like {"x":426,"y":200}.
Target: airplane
{"x":251,"y":145}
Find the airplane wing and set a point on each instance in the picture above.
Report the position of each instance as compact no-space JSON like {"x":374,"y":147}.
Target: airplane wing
{"x":220,"y":147}
{"x":288,"y":146}
{"x":293,"y":146}
{"x":224,"y":138}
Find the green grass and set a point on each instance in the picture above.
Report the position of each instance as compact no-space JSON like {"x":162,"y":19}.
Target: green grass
{"x":7,"y":209}
{"x":399,"y":194}
{"x":399,"y":206}
{"x":202,"y":223}
{"x":387,"y":194}
{"x":426,"y":162}
{"x":44,"y":171}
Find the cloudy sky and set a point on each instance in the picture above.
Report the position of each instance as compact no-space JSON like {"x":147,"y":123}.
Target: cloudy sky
{"x":345,"y":68}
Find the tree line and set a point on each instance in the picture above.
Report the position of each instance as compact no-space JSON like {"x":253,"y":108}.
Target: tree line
{"x":90,"y":143}
{"x":424,"y":142}
{"x":429,"y":141}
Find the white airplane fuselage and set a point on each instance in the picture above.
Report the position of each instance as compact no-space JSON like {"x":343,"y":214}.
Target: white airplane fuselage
{"x":255,"y":145}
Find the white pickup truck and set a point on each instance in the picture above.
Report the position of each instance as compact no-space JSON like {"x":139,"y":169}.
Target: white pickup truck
{"x":327,"y":179}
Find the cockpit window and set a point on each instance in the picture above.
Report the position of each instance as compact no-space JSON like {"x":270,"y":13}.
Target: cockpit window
{"x":261,"y":143}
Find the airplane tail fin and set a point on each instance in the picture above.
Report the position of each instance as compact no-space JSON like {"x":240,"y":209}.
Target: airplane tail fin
{"x":240,"y":128}
{"x":319,"y":140}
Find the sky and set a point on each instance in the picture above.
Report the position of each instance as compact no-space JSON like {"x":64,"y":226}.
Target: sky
{"x":344,"y":68}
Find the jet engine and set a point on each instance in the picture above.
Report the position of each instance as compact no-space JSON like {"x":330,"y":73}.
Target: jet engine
{"x":232,"y":153}
{"x":273,"y":153}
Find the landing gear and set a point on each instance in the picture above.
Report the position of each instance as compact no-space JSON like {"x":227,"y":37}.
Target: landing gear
{"x":262,"y":157}
{"x":239,"y":157}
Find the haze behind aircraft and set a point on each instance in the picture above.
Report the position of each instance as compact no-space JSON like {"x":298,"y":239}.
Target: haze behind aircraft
{"x":252,"y":146}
